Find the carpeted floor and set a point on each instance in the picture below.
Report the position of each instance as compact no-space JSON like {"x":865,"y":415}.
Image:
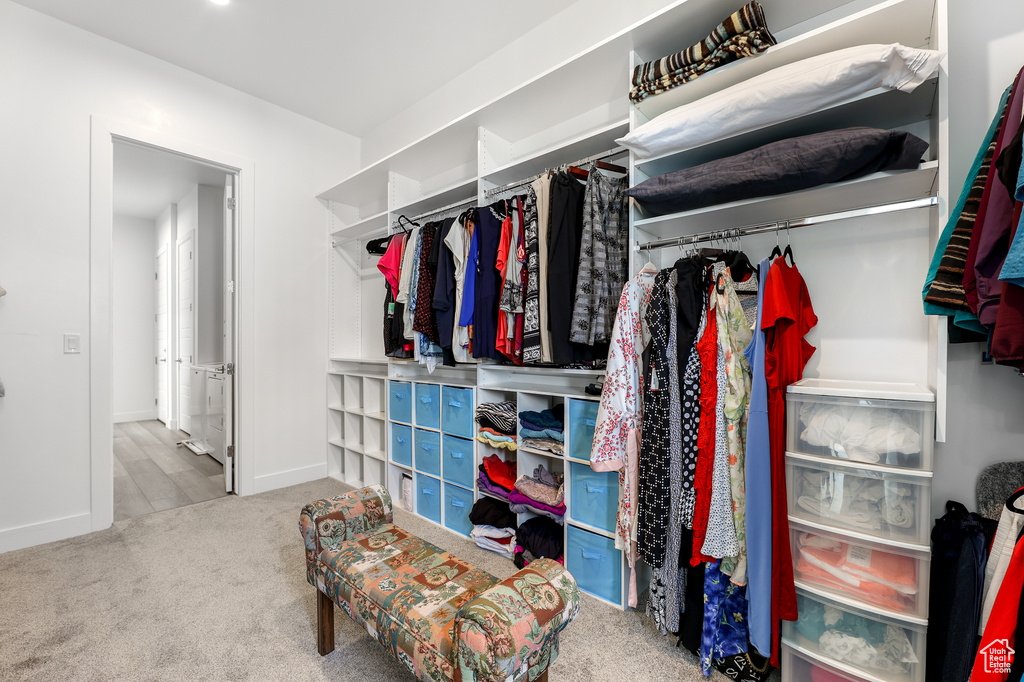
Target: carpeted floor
{"x":217,"y":591}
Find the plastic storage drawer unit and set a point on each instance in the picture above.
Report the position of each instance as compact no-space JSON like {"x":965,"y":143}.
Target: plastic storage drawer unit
{"x":401,"y":444}
{"x":595,"y":563}
{"x":457,"y":411}
{"x":582,"y":419}
{"x":457,"y":504}
{"x":874,"y":500}
{"x":459,"y":466}
{"x":857,"y":641}
{"x":428,"y":452}
{"x":428,"y":497}
{"x":400,"y":401}
{"x":879,"y":574}
{"x":868,"y":422}
{"x":797,"y":666}
{"x":428,"y":406}
{"x":594,"y":496}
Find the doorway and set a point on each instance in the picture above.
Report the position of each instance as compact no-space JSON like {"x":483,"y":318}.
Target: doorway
{"x":173,"y":329}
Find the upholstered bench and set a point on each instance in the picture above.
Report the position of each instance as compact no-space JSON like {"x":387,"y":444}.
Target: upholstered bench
{"x":441,"y":617}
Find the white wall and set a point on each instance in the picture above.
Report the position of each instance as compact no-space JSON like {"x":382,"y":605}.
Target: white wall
{"x":210,"y":275}
{"x":985,"y":402}
{"x":133,"y":317}
{"x":54,"y":78}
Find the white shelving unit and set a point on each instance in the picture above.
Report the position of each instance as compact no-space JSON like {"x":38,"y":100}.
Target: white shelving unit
{"x":355,"y":421}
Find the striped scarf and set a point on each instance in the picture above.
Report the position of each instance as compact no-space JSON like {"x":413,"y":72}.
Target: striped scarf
{"x":743,"y":34}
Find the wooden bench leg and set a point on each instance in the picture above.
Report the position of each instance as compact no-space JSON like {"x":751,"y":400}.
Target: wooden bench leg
{"x":543,"y":676}
{"x":325,"y":624}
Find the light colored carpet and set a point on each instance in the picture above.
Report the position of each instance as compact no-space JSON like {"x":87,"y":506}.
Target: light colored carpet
{"x":217,"y":591}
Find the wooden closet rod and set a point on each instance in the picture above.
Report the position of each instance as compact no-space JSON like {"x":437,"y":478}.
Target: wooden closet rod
{"x":790,"y":224}
{"x":611,"y":153}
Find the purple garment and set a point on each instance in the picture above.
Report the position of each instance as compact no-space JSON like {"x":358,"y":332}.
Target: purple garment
{"x":994,"y":241}
{"x":516,"y":497}
{"x":487,"y":486}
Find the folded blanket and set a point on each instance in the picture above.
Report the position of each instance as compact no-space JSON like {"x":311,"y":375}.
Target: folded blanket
{"x":742,"y":34}
{"x":486,"y":485}
{"x":548,"y":419}
{"x":501,"y":416}
{"x":517,"y":498}
{"x":549,"y":444}
{"x":503,"y":444}
{"x":546,"y":433}
{"x":500,"y":472}
{"x":527,"y":424}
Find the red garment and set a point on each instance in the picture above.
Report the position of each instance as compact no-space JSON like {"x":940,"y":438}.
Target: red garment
{"x":500,"y":472}
{"x":1002,"y":623}
{"x":391,"y":262}
{"x":520,"y":255}
{"x":707,"y":347}
{"x":501,"y":341}
{"x":786,"y":318}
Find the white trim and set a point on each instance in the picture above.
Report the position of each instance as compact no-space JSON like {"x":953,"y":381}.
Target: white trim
{"x":103,"y":132}
{"x":283,"y":479}
{"x":45,"y":531}
{"x":144,"y":415}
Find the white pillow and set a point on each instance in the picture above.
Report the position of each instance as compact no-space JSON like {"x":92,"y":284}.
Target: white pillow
{"x":782,"y":94}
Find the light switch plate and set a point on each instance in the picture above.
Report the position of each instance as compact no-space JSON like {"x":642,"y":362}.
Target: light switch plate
{"x":72,"y":343}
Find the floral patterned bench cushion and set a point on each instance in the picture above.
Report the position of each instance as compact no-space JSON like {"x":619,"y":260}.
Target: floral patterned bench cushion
{"x":406,"y":592}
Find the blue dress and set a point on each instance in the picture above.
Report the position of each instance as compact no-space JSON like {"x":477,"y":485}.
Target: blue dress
{"x":758,"y":481}
{"x":725,"y":618}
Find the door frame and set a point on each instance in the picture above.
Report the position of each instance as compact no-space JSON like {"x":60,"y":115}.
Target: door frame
{"x":103,"y":134}
{"x":162,"y":371}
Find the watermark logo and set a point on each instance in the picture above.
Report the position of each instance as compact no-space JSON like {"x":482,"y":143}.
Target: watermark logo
{"x":998,"y":657}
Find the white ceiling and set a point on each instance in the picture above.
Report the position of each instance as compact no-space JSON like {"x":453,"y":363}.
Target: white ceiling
{"x":146,"y":180}
{"x":344,"y":63}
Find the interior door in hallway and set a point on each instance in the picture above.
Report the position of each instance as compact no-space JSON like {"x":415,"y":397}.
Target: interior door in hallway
{"x":163,"y":411}
{"x":226,"y":383}
{"x":186,"y":330}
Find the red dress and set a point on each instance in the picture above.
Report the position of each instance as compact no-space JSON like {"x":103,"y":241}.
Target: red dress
{"x":707,"y":347}
{"x":787,"y":316}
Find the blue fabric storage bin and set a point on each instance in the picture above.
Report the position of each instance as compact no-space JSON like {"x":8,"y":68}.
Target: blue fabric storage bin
{"x":457,"y":504}
{"x":459,"y":463}
{"x":428,"y":452}
{"x":595,"y":496}
{"x":428,"y":497}
{"x":457,"y":411}
{"x":595,"y":563}
{"x":401,"y":444}
{"x":582,"y":418}
{"x":428,"y":405}
{"x":400,"y":401}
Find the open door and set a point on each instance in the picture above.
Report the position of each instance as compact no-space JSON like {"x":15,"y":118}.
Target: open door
{"x":228,"y":387}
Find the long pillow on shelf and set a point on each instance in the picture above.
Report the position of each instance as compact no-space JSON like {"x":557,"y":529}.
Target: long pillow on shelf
{"x":785,"y":166}
{"x":783,"y":94}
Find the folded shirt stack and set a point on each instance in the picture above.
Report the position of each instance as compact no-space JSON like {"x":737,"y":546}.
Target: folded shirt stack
{"x":545,"y":429}
{"x":538,"y":538}
{"x":488,"y":511}
{"x":496,"y":439}
{"x":543,"y":494}
{"x":499,"y":416}
{"x":498,"y":540}
{"x":499,"y":472}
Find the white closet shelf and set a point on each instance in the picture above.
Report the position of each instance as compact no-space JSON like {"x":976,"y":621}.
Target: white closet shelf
{"x":908,"y":22}
{"x":367,"y":374}
{"x":582,"y":146}
{"x":336,"y":408}
{"x":380,"y":416}
{"x":368,"y":361}
{"x":870,"y":190}
{"x":376,"y":454}
{"x":363,"y":227}
{"x":462,"y":189}
{"x":878,"y":108}
{"x":336,"y":442}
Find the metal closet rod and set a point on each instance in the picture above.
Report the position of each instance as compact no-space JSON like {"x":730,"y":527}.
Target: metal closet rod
{"x":789,"y":224}
{"x":444,"y":209}
{"x":618,"y":151}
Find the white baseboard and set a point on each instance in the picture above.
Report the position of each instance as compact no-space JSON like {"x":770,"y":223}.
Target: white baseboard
{"x":134,"y":416}
{"x":283,"y":479}
{"x":45,"y":531}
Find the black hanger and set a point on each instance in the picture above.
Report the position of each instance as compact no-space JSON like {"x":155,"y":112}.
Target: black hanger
{"x":411,"y":223}
{"x":789,"y":247}
{"x":740,"y":266}
{"x":1012,"y":499}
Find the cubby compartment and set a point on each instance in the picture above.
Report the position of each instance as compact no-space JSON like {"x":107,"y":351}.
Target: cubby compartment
{"x":868,"y":422}
{"x":538,"y":402}
{"x":595,"y":563}
{"x":373,"y":438}
{"x":335,"y":392}
{"x":427,"y":401}
{"x":354,"y":431}
{"x":373,"y":397}
{"x":427,"y":451}
{"x":428,"y":497}
{"x":527,"y":463}
{"x":880,"y":575}
{"x":400,"y":401}
{"x":593,"y":497}
{"x":457,"y":504}
{"x":353,"y":467}
{"x":335,"y":461}
{"x":401,"y":444}
{"x":457,"y":411}
{"x":857,"y":641}
{"x":374,"y":471}
{"x":336,"y":428}
{"x":353,"y":393}
{"x":879,"y":501}
{"x":401,"y":487}
{"x":582,"y":419}
{"x":459,"y":464}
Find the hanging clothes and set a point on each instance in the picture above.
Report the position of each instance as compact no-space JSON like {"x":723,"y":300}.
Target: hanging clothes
{"x":563,"y":265}
{"x":458,"y":242}
{"x":786,"y":319}
{"x":488,"y":283}
{"x":758,"y":488}
{"x":707,"y":346}
{"x":404,"y":281}
{"x":424,"y":319}
{"x":390,"y":265}
{"x":725,"y":627}
{"x":542,"y":188}
{"x":1011,"y":522}
{"x":604,"y":258}
{"x":444,"y":291}
{"x":531,"y":303}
